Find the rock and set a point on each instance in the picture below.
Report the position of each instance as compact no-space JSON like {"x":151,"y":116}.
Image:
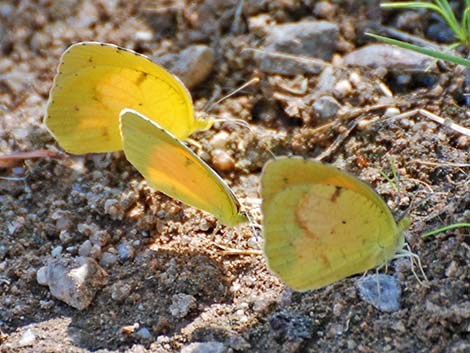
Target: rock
{"x":222,"y":161}
{"x":390,"y":292}
{"x":125,"y":252}
{"x":310,"y":38}
{"x":108,"y":259}
{"x":220,"y":140}
{"x":87,"y":249}
{"x":57,"y":251}
{"x":389,"y":57}
{"x":41,"y":276}
{"x":326,"y":107}
{"x":75,"y":281}
{"x":192,"y":65}
{"x":114,"y":208}
{"x":291,"y":326}
{"x":238,"y":343}
{"x":27,"y":339}
{"x":144,"y":333}
{"x":182,"y":304}
{"x":204,"y":347}
{"x":288,"y":64}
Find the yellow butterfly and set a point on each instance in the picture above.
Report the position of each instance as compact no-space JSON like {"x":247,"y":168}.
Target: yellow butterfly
{"x":171,"y":167}
{"x":322,"y":224}
{"x":95,"y":81}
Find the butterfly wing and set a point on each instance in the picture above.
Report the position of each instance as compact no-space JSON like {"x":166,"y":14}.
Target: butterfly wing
{"x":172,"y":168}
{"x":323,"y":227}
{"x":95,"y":81}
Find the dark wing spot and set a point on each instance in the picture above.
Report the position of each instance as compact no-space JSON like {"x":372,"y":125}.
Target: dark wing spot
{"x":285,"y":180}
{"x":141,"y":79}
{"x":76,"y":108}
{"x":343,"y":221}
{"x":336,"y":194}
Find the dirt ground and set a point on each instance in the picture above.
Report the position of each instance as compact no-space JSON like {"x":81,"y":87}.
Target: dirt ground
{"x":176,"y":249}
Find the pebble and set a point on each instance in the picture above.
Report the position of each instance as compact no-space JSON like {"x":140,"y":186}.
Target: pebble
{"x":290,"y":325}
{"x":87,"y":249}
{"x":390,"y":291}
{"x":57,"y":251}
{"x":75,"y":280}
{"x":125,"y":252}
{"x":120,"y":291}
{"x":192,"y":65}
{"x":389,"y":57}
{"x":3,"y":252}
{"x":182,"y":304}
{"x":220,"y":140}
{"x":326,"y":107}
{"x":287,"y":64}
{"x":310,"y":38}
{"x":342,"y":89}
{"x":108,"y":259}
{"x":114,"y":208}
{"x":27,"y":339}
{"x":222,"y":161}
{"x":41,"y":276}
{"x":144,"y":333}
{"x":238,"y":343}
{"x":204,"y":347}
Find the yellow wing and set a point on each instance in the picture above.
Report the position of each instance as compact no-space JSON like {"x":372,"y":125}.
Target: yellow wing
{"x":95,"y":81}
{"x":321,"y":225}
{"x":172,"y":168}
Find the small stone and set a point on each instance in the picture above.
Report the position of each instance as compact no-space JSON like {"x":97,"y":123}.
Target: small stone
{"x":204,"y":347}
{"x":324,"y":9}
{"x":144,"y":333}
{"x":108,"y":259}
{"x":192,"y":65}
{"x":182,"y":304}
{"x":65,"y":237}
{"x":114,"y":208}
{"x":288,"y":64}
{"x":3,"y":252}
{"x":87,"y":249}
{"x":220,"y":140}
{"x":222,"y":161}
{"x":75,"y":281}
{"x":310,"y":38}
{"x":27,"y":339}
{"x":125,"y":252}
{"x":238,"y":343}
{"x":292,"y":326}
{"x":391,"y":111}
{"x":120,"y":291}
{"x":326,"y":107}
{"x":57,"y":251}
{"x":342,"y":89}
{"x":389,"y":57}
{"x":41,"y":276}
{"x":390,"y":292}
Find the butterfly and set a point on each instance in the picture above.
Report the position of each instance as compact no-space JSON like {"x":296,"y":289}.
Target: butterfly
{"x":95,"y":81}
{"x":171,"y":167}
{"x":322,"y":224}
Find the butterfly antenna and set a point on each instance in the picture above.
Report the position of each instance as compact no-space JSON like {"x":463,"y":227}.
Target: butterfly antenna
{"x":246,"y":84}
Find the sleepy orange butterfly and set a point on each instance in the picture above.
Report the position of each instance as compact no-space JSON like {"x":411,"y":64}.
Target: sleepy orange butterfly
{"x":321,"y":224}
{"x":95,"y":81}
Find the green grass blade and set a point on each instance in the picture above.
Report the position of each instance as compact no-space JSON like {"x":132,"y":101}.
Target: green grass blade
{"x":429,"y":52}
{"x":443,"y":229}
